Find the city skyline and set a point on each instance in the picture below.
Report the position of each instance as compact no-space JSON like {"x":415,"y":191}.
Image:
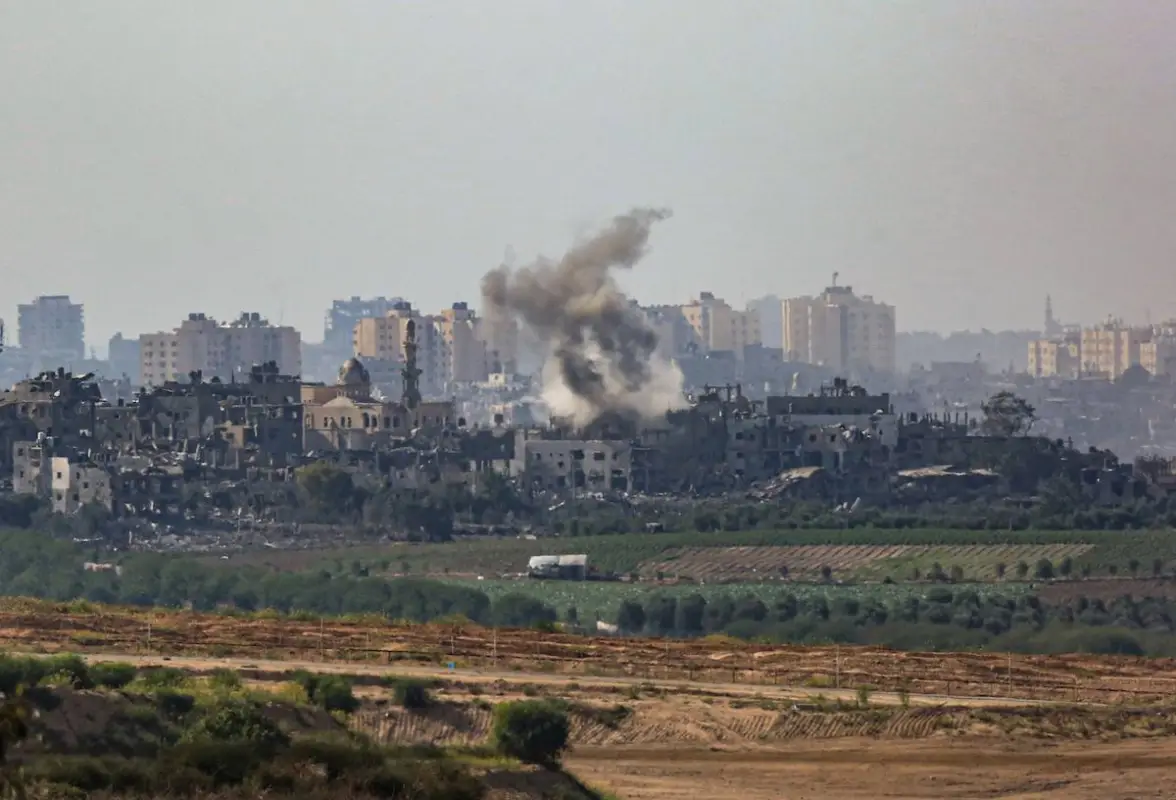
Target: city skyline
{"x":959,"y":160}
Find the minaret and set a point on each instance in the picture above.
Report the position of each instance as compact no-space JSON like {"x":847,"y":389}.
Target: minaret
{"x":411,"y":397}
{"x":1051,"y":324}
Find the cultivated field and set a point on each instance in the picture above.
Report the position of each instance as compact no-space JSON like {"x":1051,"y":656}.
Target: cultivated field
{"x":978,"y":562}
{"x":600,"y":599}
{"x":33,"y":626}
{"x":853,"y":554}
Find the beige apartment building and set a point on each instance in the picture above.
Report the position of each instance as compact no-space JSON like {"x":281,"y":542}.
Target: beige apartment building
{"x":1056,"y":358}
{"x":464,"y":352}
{"x":217,"y":350}
{"x":1109,"y":349}
{"x":450,"y":346}
{"x":715,"y":326}
{"x":840,"y":330}
{"x":1159,"y":356}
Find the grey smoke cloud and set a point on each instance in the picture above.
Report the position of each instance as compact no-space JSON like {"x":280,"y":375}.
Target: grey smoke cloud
{"x":603,"y":353}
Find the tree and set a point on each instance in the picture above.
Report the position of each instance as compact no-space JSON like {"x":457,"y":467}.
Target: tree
{"x":1007,"y":414}
{"x":631,"y":617}
{"x":1133,"y":565}
{"x":1022,"y":569}
{"x":691,"y":610}
{"x":328,"y":488}
{"x":1157,"y":567}
{"x":533,"y":731}
{"x":1000,"y":570}
{"x":1044,"y":569}
{"x":14,"y":729}
{"x":1066,"y":567}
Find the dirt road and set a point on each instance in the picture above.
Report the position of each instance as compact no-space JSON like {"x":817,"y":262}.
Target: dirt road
{"x":857,"y":769}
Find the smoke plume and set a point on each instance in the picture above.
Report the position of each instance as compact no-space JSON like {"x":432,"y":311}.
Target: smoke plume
{"x":603,"y":353}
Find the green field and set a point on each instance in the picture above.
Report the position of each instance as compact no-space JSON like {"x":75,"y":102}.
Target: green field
{"x":648,"y":553}
{"x":599,"y":599}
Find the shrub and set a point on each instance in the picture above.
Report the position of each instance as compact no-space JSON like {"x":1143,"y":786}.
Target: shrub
{"x":223,"y":762}
{"x":69,"y":669}
{"x":174,"y":704}
{"x":535,"y":732}
{"x":863,"y":696}
{"x":114,"y":675}
{"x":236,"y":721}
{"x":224,"y":681}
{"x":411,"y":693}
{"x":156,"y":678}
{"x":329,"y":692}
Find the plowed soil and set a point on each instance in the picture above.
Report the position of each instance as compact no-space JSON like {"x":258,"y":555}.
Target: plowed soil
{"x":1068,"y":678}
{"x":864,"y":769}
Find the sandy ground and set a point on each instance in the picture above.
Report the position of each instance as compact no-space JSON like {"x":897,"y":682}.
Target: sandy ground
{"x":857,"y":769}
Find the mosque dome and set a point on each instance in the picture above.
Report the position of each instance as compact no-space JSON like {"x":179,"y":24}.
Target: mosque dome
{"x":353,"y":373}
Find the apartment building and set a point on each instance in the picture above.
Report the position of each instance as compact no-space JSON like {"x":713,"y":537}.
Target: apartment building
{"x":464,"y":352}
{"x":52,"y":327}
{"x":218,"y":350}
{"x":343,"y":315}
{"x":1107,"y":350}
{"x":381,"y":340}
{"x":840,"y":330}
{"x":1056,"y":358}
{"x":706,"y":325}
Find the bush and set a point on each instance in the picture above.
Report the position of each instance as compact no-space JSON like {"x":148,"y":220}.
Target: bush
{"x":224,"y":681}
{"x":73,"y":669}
{"x":114,"y":675}
{"x":156,"y":678}
{"x":411,"y":693}
{"x":533,"y":731}
{"x":174,"y":704}
{"x":236,"y":721}
{"x":329,"y":692}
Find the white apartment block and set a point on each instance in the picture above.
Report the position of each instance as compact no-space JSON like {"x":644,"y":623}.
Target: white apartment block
{"x":52,"y":326}
{"x":840,"y":330}
{"x":217,"y":350}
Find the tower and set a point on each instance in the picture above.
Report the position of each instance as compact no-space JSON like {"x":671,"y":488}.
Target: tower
{"x":411,"y":397}
{"x":1052,"y":328}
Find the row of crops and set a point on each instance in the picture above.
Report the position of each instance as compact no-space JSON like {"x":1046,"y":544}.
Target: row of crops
{"x":600,"y":599}
{"x":625,"y":553}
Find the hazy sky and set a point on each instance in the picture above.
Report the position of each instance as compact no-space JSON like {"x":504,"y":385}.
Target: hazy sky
{"x":958,"y":158}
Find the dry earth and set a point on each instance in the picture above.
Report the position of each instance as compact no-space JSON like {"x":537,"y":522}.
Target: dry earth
{"x":1063,"y":678}
{"x":857,"y":769}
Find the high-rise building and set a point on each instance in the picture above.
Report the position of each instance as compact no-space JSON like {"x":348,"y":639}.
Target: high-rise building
{"x":770,"y":310}
{"x":1056,"y":358}
{"x":218,"y":350}
{"x":840,"y":330}
{"x":379,"y":341}
{"x":464,"y":352}
{"x":719,"y":328}
{"x":1110,"y":348}
{"x":344,"y":314}
{"x":52,"y":328}
{"x":124,"y":358}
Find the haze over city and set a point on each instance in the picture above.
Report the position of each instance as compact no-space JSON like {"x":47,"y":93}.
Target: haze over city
{"x":959,"y":161}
